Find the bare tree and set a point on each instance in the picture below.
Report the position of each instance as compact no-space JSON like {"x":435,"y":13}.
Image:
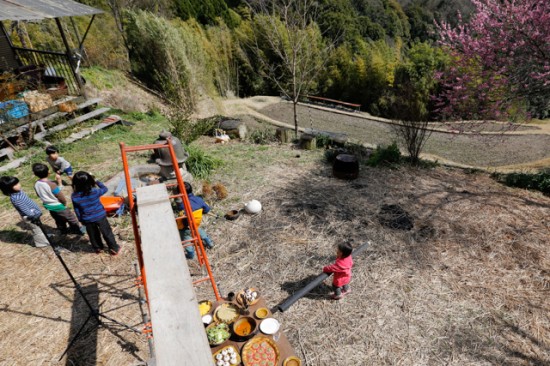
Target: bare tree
{"x":289,"y":45}
{"x":410,"y":116}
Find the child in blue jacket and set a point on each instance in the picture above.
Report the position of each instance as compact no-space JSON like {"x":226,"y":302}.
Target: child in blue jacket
{"x":91,"y":213}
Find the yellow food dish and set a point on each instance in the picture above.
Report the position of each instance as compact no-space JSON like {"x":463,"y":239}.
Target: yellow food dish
{"x":261,"y":313}
{"x":204,"y":307}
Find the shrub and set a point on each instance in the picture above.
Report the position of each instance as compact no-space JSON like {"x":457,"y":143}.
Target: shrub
{"x":322,"y":140}
{"x":385,"y":156}
{"x":538,"y":181}
{"x":262,"y":136}
{"x":187,"y":130}
{"x":200,"y":164}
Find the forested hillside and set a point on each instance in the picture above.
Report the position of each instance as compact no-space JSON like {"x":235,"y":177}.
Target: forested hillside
{"x":383,"y":54}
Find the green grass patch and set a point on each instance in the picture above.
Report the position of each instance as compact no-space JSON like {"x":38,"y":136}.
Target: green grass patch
{"x":102,"y":78}
{"x":98,"y":153}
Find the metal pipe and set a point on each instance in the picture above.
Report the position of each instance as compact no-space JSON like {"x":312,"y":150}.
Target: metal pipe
{"x":144,"y":314}
{"x":310,"y":286}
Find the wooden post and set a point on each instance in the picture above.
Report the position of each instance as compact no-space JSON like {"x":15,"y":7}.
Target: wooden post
{"x":69,"y":54}
{"x":308,"y":142}
{"x":284,"y":135}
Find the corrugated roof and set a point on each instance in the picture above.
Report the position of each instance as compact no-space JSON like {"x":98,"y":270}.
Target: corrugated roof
{"x":41,"y":9}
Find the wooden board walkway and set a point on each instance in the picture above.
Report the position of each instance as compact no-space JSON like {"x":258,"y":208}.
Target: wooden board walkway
{"x":41,"y":121}
{"x":97,"y":112}
{"x":178,"y":332}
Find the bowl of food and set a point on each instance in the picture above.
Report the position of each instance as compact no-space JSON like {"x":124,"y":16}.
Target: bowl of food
{"x":261,"y":313}
{"x":248,"y":296}
{"x":226,"y":313}
{"x":245,"y":327}
{"x":217,"y":333}
{"x":204,"y":307}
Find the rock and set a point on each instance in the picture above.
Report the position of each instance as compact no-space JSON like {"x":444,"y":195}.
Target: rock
{"x":234,"y":128}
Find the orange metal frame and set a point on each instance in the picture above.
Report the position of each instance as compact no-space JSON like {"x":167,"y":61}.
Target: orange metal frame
{"x":196,"y":238}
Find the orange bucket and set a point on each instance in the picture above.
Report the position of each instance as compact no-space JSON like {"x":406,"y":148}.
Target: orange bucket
{"x":111,"y":203}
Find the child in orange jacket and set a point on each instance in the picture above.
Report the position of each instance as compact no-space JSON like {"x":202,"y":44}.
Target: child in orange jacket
{"x":341,"y":269}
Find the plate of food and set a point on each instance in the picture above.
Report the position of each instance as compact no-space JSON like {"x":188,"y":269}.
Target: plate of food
{"x":205,"y":306}
{"x":260,"y":351}
{"x":217,"y":333}
{"x":227,"y":356}
{"x":270,"y":326}
{"x":250,"y":295}
{"x":226,"y":313}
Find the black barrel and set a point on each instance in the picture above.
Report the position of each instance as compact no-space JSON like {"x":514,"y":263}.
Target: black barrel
{"x":345,"y":166}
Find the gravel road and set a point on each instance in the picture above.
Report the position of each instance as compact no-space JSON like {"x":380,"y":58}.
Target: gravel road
{"x":474,"y":150}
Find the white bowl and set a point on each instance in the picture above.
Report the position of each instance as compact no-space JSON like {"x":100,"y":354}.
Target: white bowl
{"x":207,"y":319}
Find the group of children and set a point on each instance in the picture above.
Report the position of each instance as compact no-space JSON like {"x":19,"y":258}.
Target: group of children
{"x":90,"y":215}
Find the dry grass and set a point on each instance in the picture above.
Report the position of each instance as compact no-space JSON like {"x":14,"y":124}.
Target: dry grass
{"x":468,"y":285}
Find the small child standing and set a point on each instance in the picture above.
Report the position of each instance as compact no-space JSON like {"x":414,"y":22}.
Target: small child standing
{"x":341,"y":270}
{"x":91,"y":212}
{"x":58,"y":163}
{"x":27,"y":208}
{"x":199,"y":207}
{"x":54,"y":200}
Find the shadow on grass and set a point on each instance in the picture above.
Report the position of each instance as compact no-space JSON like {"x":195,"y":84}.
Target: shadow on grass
{"x":515,"y":345}
{"x":319,"y":292}
{"x":72,"y":242}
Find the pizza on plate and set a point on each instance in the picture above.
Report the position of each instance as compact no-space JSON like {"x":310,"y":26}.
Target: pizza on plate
{"x":260,"y":351}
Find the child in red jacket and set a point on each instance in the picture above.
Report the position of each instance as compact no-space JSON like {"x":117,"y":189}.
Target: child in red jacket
{"x":341,"y":269}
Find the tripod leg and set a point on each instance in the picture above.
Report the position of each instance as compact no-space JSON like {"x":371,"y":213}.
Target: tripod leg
{"x":77,"y":335}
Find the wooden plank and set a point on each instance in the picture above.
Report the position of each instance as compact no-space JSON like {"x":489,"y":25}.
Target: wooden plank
{"x":13,"y":164}
{"x":72,"y":122}
{"x":40,"y":122}
{"x":109,"y":121}
{"x":178,"y":332}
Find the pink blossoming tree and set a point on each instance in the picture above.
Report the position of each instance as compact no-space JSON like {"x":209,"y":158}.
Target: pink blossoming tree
{"x":501,"y":61}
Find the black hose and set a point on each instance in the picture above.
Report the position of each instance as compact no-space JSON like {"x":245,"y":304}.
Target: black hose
{"x":310,"y":286}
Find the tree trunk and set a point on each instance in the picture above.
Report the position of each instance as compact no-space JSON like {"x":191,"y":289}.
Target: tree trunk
{"x":294,"y":104}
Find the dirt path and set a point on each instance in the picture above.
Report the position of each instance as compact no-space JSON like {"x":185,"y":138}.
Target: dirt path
{"x":526,"y":148}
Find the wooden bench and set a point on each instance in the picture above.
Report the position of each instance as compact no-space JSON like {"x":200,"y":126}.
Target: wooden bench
{"x":178,"y":331}
{"x":334,"y":102}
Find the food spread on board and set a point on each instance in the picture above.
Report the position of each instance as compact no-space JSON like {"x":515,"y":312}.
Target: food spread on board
{"x":230,"y":324}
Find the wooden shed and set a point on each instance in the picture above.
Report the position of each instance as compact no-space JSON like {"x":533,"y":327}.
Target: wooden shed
{"x":41,"y":67}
